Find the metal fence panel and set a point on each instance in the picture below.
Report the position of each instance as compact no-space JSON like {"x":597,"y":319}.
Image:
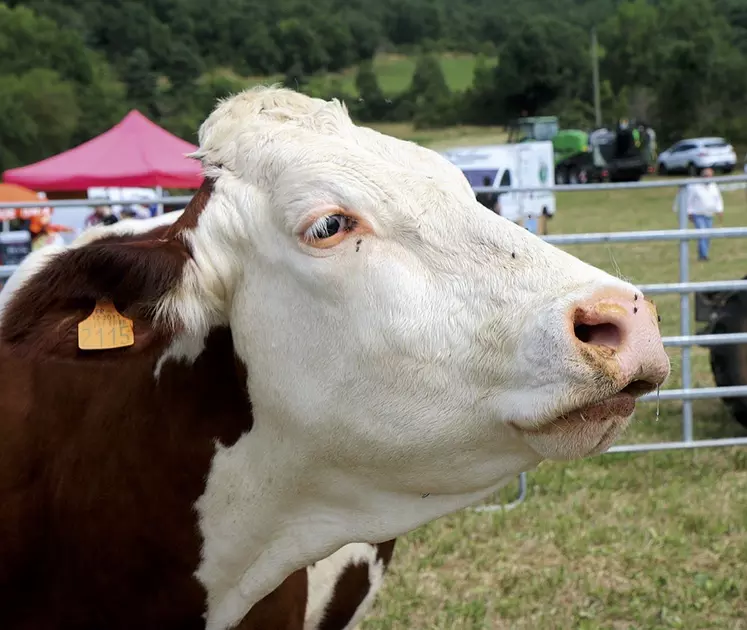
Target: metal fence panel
{"x":683,"y":288}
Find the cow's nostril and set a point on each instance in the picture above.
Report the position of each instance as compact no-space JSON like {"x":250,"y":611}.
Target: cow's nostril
{"x":639,"y":387}
{"x":619,"y":339}
{"x":607,"y":334}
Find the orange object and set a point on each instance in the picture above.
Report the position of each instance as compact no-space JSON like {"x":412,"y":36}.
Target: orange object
{"x":106,"y":328}
{"x":12,"y":192}
{"x":40,"y":222}
{"x":37,"y":224}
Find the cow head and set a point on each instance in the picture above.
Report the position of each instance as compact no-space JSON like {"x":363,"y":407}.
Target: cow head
{"x":408,"y":352}
{"x":393,"y":322}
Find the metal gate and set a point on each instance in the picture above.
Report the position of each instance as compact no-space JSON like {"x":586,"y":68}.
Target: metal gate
{"x":684,"y":288}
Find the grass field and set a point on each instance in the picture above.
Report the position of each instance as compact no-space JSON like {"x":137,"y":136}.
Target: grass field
{"x":617,"y":542}
{"x":444,"y":138}
{"x":394,"y":73}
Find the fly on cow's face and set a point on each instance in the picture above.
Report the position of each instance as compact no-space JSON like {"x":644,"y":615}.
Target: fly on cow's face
{"x":358,"y":244}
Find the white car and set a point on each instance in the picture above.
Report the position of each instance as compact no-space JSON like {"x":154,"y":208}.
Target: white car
{"x":693,"y":155}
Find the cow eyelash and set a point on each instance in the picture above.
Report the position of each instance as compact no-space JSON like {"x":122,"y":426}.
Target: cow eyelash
{"x":328,"y":226}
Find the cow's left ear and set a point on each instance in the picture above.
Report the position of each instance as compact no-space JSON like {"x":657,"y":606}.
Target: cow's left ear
{"x":131,"y":271}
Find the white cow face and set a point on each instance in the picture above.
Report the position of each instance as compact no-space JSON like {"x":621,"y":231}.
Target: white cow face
{"x":394,"y":330}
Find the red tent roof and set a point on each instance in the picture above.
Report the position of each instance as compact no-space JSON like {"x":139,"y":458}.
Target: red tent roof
{"x":135,"y":152}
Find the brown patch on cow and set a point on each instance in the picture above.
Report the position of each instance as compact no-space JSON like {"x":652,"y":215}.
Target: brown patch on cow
{"x":100,"y":464}
{"x":351,"y":588}
{"x":100,"y":469}
{"x":191,"y":214}
{"x":385,"y":551}
{"x":283,"y":609}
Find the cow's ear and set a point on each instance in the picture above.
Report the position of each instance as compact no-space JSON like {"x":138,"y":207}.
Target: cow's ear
{"x":132,"y":272}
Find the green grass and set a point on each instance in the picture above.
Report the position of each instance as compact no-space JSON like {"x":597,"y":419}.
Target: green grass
{"x":394,"y":73}
{"x":444,"y":138}
{"x":645,"y":541}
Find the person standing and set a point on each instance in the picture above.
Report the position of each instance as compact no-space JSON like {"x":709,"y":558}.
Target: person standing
{"x":44,"y":232}
{"x":101,"y":215}
{"x":702,"y":202}
{"x":531,"y":223}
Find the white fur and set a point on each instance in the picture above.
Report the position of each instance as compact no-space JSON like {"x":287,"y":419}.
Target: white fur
{"x":35,"y":262}
{"x":125,"y":227}
{"x":323,"y":577}
{"x":382,"y":370}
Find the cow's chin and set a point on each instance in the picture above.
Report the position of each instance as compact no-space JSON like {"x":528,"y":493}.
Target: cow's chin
{"x":583,"y":432}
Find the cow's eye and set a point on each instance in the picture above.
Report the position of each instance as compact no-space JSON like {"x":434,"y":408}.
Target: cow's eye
{"x":332,"y":226}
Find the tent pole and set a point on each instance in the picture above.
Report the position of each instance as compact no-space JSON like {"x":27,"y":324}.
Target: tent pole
{"x":159,"y":192}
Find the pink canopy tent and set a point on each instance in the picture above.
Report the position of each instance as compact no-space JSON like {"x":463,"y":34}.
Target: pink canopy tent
{"x":134,"y":153}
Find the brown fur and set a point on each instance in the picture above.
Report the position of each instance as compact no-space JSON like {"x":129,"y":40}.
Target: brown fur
{"x":100,"y":466}
{"x":351,"y":589}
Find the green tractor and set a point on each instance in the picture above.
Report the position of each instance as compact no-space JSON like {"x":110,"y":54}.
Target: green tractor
{"x":624,"y":155}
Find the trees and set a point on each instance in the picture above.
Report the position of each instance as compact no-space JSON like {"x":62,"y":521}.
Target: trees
{"x":101,"y":101}
{"x":680,"y":64}
{"x":38,"y":116}
{"x":704,"y":86}
{"x":631,"y":52}
{"x":372,"y":102}
{"x":685,"y":57}
{"x":429,"y":95}
{"x":677,"y":64}
{"x":543,"y":64}
{"x":294,"y":77}
{"x":54,"y":91}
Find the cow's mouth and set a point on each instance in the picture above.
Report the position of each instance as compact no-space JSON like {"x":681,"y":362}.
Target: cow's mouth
{"x":588,"y":429}
{"x":620,"y":405}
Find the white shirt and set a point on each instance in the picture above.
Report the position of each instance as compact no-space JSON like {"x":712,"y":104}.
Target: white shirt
{"x":702,"y":199}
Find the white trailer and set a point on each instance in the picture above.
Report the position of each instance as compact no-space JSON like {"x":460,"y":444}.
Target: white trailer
{"x":523,"y":165}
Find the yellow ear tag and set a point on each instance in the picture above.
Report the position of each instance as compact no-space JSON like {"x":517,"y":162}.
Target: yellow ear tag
{"x":105,"y":329}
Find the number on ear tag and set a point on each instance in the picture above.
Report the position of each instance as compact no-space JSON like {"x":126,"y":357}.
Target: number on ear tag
{"x":105,"y":329}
